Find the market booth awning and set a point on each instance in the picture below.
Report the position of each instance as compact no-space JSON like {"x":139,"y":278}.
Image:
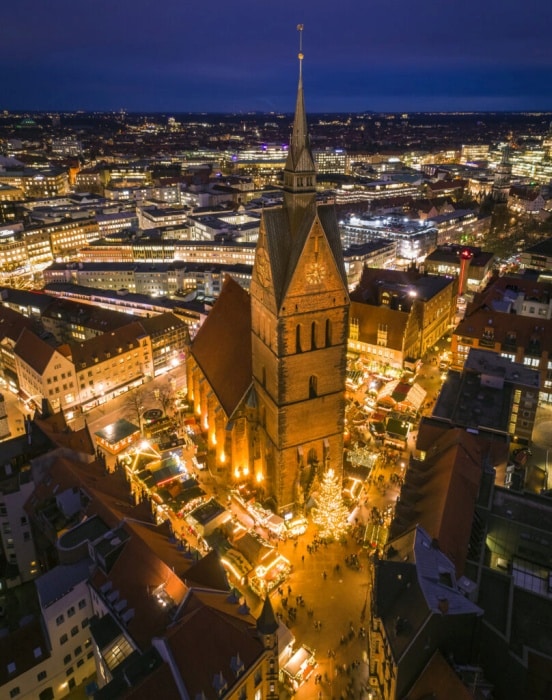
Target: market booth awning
{"x":300,"y":666}
{"x":407,"y":396}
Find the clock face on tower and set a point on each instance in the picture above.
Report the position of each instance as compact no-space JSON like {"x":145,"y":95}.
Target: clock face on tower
{"x":315,"y":273}
{"x":262,"y":267}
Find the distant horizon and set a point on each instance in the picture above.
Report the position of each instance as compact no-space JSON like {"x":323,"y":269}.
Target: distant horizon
{"x":168,"y":112}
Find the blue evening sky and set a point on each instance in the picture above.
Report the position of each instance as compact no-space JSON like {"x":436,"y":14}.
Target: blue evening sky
{"x":182,"y":56}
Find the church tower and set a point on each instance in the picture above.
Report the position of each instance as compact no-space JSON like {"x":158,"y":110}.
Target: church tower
{"x":299,"y":319}
{"x":503,"y":176}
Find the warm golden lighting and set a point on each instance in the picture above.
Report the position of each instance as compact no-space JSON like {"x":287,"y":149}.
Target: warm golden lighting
{"x":245,"y":470}
{"x":259,"y":478}
{"x":205,"y":424}
{"x":222,"y":458}
{"x":213,"y":439}
{"x":237,"y":472}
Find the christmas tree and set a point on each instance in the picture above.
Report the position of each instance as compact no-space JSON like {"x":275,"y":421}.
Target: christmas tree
{"x":330,"y":513}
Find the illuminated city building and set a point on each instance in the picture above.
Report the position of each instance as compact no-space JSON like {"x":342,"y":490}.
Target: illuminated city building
{"x":46,"y":182}
{"x":512,"y":318}
{"x":537,"y":257}
{"x":414,"y":239}
{"x":378,"y":253}
{"x":471,"y":265}
{"x":238,"y":226}
{"x":398,"y":315}
{"x":107,"y":365}
{"x":153,"y":250}
{"x":526,"y":200}
{"x":45,"y":372}
{"x":456,"y":226}
{"x":154,"y":217}
{"x":10,"y":193}
{"x":66,"y":146}
{"x":330,"y":160}
{"x":492,"y":395}
{"x":503,"y":177}
{"x":474,"y":152}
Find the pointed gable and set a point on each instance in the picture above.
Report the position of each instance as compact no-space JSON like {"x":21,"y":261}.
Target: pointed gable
{"x":222,"y":346}
{"x":266,"y":622}
{"x":33,"y":351}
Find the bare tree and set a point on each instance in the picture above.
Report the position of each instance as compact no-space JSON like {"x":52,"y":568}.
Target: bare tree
{"x":134,"y":404}
{"x":165,"y":395}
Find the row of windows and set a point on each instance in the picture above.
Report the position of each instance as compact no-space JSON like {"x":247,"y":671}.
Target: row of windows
{"x":60,"y":619}
{"x":15,"y":692}
{"x":74,"y":631}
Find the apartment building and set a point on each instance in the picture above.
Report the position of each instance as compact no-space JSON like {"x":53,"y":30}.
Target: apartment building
{"x":44,"y":373}
{"x":512,"y":318}
{"x":116,"y":221}
{"x":170,"y":340}
{"x":17,"y":543}
{"x":154,"y":280}
{"x":418,"y":607}
{"x":397,"y":315}
{"x":107,"y":365}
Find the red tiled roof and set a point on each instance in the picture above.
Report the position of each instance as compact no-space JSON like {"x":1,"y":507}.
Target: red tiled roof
{"x":12,"y":323}
{"x":222,"y":346}
{"x":33,"y":351}
{"x":371,"y":317}
{"x":136,"y":584}
{"x":18,"y":648}
{"x":55,"y":427}
{"x":213,"y":631}
{"x":440,"y":494}
{"x":161,"y":678}
{"x":438,"y":681}
{"x":107,"y":345}
{"x":525,"y":327}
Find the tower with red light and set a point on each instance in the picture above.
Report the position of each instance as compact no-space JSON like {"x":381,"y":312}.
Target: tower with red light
{"x":465,"y":258}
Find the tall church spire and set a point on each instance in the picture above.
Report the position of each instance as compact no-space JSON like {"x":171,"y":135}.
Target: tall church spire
{"x":299,"y":172}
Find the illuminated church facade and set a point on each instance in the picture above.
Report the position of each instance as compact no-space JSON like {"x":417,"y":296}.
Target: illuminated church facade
{"x":266,"y":371}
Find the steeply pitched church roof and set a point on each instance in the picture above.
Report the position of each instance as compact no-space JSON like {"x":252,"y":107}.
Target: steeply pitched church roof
{"x":285,"y":231}
{"x":299,"y":157}
{"x":222,"y":346}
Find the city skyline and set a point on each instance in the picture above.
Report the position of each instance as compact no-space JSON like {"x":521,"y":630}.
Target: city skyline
{"x":358,"y":57}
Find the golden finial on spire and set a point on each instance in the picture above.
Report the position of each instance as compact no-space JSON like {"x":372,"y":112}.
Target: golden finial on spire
{"x":300,"y":28}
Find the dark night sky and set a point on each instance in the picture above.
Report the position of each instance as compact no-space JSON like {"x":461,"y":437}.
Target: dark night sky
{"x":218,"y":55}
